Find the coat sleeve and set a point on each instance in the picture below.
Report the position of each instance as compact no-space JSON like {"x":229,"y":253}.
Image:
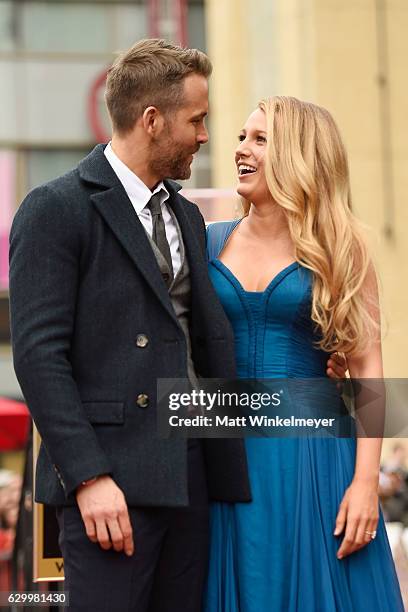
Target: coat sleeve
{"x":45,"y":247}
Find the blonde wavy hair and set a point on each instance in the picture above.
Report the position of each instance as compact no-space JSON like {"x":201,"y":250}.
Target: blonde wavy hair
{"x":307,"y":174}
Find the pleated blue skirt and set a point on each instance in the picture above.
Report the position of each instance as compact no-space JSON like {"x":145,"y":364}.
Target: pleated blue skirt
{"x":278,"y":553}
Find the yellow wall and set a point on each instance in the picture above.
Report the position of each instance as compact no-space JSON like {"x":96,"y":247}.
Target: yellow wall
{"x":330,"y":52}
{"x":229,"y":104}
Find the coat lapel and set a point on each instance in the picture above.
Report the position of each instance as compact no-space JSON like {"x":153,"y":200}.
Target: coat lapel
{"x":115,"y":207}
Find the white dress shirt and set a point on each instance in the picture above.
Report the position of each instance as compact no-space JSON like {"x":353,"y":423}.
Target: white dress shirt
{"x":139,"y":195}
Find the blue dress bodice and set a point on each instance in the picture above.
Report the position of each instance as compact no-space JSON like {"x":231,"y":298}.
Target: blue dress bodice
{"x":273,"y":331}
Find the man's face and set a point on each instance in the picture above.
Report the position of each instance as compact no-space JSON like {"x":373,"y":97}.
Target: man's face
{"x":183,"y":134}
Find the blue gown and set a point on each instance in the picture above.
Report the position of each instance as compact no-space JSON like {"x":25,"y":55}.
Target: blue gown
{"x":278,"y":553}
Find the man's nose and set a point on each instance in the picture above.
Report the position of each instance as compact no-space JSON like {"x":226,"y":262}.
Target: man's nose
{"x":202,"y":137}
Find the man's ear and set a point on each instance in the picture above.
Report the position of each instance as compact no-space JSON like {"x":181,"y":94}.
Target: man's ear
{"x":153,"y":120}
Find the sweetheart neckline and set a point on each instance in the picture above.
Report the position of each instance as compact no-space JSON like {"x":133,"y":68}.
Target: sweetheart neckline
{"x":270,"y":285}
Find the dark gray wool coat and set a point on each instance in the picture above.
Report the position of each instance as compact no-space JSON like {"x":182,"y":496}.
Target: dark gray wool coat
{"x":84,"y":283}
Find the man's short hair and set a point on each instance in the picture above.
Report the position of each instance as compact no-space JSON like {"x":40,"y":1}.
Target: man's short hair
{"x":151,"y":73}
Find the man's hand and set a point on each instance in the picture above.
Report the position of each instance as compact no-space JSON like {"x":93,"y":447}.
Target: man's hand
{"x":336,"y":366}
{"x":105,"y":514}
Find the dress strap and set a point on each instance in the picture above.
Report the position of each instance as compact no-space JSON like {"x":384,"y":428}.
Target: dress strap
{"x":217,"y":236}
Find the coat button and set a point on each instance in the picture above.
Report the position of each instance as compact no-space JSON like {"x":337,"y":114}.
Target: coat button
{"x":142,"y":341}
{"x":142,"y":400}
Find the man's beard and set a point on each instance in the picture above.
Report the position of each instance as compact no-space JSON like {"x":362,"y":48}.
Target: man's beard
{"x":169,"y":159}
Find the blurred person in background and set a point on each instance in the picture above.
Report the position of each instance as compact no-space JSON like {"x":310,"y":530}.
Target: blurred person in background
{"x":396,"y":462}
{"x":10,"y":494}
{"x":296,"y":281}
{"x":394,"y":496}
{"x":388,"y":485}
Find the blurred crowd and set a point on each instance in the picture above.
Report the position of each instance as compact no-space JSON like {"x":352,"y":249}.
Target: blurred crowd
{"x":10,"y":493}
{"x":394,"y":496}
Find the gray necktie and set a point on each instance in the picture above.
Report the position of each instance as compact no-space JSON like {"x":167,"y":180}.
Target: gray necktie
{"x":159,"y":232}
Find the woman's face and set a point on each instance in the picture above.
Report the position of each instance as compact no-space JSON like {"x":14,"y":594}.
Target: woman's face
{"x":249,"y":159}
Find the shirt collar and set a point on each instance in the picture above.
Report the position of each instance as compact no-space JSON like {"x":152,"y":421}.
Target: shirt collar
{"x":138,"y":192}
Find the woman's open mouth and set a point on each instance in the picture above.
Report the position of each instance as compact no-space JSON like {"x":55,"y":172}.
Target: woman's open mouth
{"x":245,"y":169}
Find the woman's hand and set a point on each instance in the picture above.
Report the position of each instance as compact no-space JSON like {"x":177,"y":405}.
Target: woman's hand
{"x":358,"y":514}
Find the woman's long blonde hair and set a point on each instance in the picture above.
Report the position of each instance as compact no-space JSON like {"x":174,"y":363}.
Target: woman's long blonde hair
{"x":307,"y":175}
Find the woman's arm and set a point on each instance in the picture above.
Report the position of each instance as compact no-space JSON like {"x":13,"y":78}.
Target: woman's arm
{"x":359,"y":510}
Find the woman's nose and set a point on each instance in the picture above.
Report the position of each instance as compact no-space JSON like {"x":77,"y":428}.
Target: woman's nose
{"x":242,"y":149}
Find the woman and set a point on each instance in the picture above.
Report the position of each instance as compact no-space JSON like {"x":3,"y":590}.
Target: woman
{"x":296,"y":281}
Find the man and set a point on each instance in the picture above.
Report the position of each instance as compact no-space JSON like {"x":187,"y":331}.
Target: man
{"x":109,"y":292}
